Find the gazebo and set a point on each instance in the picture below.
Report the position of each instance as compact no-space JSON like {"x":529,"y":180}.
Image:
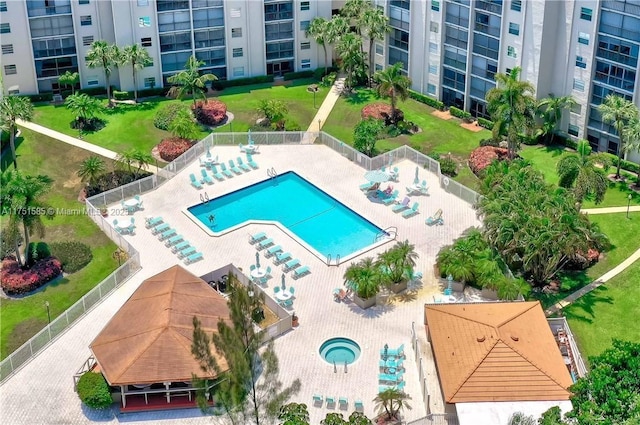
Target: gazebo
{"x":145,"y":349}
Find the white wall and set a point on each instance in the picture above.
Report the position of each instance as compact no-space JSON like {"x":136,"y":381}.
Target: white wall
{"x":22,"y":56}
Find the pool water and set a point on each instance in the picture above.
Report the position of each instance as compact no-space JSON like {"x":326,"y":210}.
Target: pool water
{"x":340,"y":351}
{"x":323,"y":223}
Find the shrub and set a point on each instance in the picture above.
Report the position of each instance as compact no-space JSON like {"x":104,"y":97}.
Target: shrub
{"x":292,"y":126}
{"x":94,"y":391}
{"x":222,"y":84}
{"x":626,"y":165}
{"x":37,"y":251}
{"x":122,"y":95}
{"x":210,"y":112}
{"x":112,"y":180}
{"x":90,"y":124}
{"x":94,"y":91}
{"x":171,"y":148}
{"x":318,"y":74}
{"x":490,"y":142}
{"x":459,"y":113}
{"x":72,"y":255}
{"x":15,"y":280}
{"x":160,"y":91}
{"x":329,"y":79}
{"x":434,"y":103}
{"x":483,"y":156}
{"x":45,"y":97}
{"x":8,"y":242}
{"x":448,"y":167}
{"x":483,"y":122}
{"x":300,"y":74}
{"x":166,"y":114}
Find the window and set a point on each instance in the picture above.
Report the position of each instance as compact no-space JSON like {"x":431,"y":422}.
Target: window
{"x":238,"y":53}
{"x":576,"y":109}
{"x":573,"y":130}
{"x":583,"y":38}
{"x":435,"y":5}
{"x":578,"y":84}
{"x":379,"y":49}
{"x":304,"y":25}
{"x":305,"y":64}
{"x":238,"y":71}
{"x":87,"y":40}
{"x":433,"y":48}
{"x":150,"y":82}
{"x":377,"y":67}
{"x":92,"y":81}
{"x":434,"y":26}
{"x":431,"y":89}
{"x":585,"y":13}
{"x":81,"y":2}
{"x":512,"y":52}
{"x":516,"y":5}
{"x":5,"y":28}
{"x":149,"y":63}
{"x":10,"y":69}
{"x":14,"y":92}
{"x":304,"y":5}
{"x":305,"y":45}
{"x":144,"y":21}
{"x":236,"y":12}
{"x":580,"y":63}
{"x":514,"y":28}
{"x":236,"y":32}
{"x":3,"y":6}
{"x":85,"y":20}
{"x":433,"y":69}
{"x":7,"y":49}
{"x":145,"y":41}
{"x":507,"y":71}
{"x":143,"y":3}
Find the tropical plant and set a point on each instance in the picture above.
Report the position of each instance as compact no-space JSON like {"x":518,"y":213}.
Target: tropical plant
{"x":190,"y":80}
{"x":70,"y":79}
{"x":393,"y":84}
{"x":166,"y":114}
{"x":333,"y":418}
{"x":618,"y":111}
{"x":519,"y":418}
{"x":551,"y":110}
{"x":632,"y":135}
{"x":349,"y":48}
{"x":133,"y":157}
{"x":85,"y":107}
{"x":142,"y":160}
{"x":318,"y":29}
{"x":92,"y":167}
{"x":274,"y":110}
{"x":13,"y":108}
{"x":358,"y":418}
{"x":365,"y":135}
{"x":294,"y":414}
{"x":106,"y":56}
{"x":397,"y":263}
{"x":376,"y":26}
{"x":138,"y":57}
{"x":391,"y":401}
{"x":183,"y":126}
{"x":511,"y":105}
{"x":584,"y":173}
{"x":354,"y":9}
{"x":336,"y":28}
{"x":93,"y":390}
{"x":363,"y":277}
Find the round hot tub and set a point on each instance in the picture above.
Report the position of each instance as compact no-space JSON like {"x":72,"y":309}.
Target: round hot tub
{"x":340,"y":351}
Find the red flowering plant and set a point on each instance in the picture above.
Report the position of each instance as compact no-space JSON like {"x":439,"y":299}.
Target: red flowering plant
{"x":15,"y":280}
{"x":172,"y":147}
{"x":210,"y":112}
{"x":483,"y":156}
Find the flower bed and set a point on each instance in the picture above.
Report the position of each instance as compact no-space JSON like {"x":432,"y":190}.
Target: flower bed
{"x":483,"y":156}
{"x":15,"y":280}
{"x":211,"y":112}
{"x":381,"y":111}
{"x":171,"y":148}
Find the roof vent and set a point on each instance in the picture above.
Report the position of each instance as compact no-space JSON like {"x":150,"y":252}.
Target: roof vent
{"x":515,"y":338}
{"x":480,"y":339}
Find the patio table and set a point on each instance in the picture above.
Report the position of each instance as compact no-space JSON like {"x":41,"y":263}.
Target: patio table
{"x":131,"y":202}
{"x":283,"y":295}
{"x":258,"y":273}
{"x":210,"y":160}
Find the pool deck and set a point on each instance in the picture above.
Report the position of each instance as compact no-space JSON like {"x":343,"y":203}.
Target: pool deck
{"x":321,"y":318}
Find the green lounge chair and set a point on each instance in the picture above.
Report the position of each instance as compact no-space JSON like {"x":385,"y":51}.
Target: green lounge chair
{"x":401,"y":206}
{"x":291,"y":264}
{"x":174,"y":240}
{"x":152,"y":222}
{"x":282,"y":257}
{"x":190,"y":250}
{"x":180,"y":246}
{"x":205,"y":177}
{"x":330,"y":400}
{"x":233,"y":167}
{"x":265,"y":243}
{"x":193,"y":258}
{"x":224,"y":170}
{"x":257,"y":237}
{"x":343,"y":402}
{"x":392,"y":198}
{"x":358,"y":405}
{"x":160,"y":228}
{"x":317,"y":399}
{"x":299,"y":272}
{"x":195,"y":183}
{"x":396,"y":352}
{"x":167,"y":234}
{"x":216,"y":174}
{"x":251,"y":163}
{"x":242,"y":165}
{"x":413,"y":211}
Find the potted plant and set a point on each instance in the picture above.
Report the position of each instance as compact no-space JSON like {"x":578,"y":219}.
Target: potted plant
{"x":396,"y":265}
{"x":104,"y":211}
{"x":364,"y":279}
{"x":294,"y":320}
{"x":390,"y":402}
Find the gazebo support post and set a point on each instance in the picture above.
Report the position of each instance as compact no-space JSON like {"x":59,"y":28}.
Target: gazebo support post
{"x":124,"y":396}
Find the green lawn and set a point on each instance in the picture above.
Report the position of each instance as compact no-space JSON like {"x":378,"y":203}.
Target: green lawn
{"x":24,"y":317}
{"x":610,"y":311}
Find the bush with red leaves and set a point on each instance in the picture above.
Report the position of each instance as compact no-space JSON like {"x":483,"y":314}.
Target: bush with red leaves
{"x":171,"y":148}
{"x":381,"y":111}
{"x":210,"y":112}
{"x":483,"y":156}
{"x":15,"y":280}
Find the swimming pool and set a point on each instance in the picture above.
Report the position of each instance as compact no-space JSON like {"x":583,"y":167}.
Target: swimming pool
{"x":315,"y":218}
{"x":340,"y":351}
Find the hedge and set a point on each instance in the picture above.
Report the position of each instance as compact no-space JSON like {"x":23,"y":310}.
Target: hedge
{"x":37,"y":251}
{"x":626,"y":165}
{"x":434,"y":103}
{"x":94,"y":391}
{"x":459,"y":113}
{"x":483,"y":122}
{"x":14,"y":280}
{"x":93,"y":91}
{"x":44,"y":97}
{"x":72,"y":255}
{"x":319,"y":72}
{"x":220,"y":85}
{"x":301,"y":74}
{"x":122,"y":95}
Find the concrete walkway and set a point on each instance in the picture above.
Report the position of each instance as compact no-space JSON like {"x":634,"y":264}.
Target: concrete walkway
{"x":324,"y":110}
{"x":75,"y":142}
{"x":610,"y":210}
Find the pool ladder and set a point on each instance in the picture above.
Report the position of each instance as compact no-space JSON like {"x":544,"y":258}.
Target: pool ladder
{"x":337,"y":263}
{"x":391,"y":231}
{"x":271,"y":172}
{"x":204,"y":198}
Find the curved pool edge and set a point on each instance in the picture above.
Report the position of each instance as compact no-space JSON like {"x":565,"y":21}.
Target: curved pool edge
{"x":353,"y":343}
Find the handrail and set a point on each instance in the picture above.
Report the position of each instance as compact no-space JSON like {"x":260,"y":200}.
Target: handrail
{"x":387,"y":232}
{"x":272,"y":173}
{"x":204,"y":198}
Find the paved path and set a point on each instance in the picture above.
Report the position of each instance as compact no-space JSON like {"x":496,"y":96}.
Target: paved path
{"x":324,"y":110}
{"x":610,"y":210}
{"x":75,"y":142}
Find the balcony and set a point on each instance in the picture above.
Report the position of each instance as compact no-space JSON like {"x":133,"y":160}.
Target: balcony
{"x":49,"y":11}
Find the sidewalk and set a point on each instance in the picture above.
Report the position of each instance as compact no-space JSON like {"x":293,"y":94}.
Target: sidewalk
{"x":610,"y":210}
{"x":75,"y":142}
{"x":324,"y":111}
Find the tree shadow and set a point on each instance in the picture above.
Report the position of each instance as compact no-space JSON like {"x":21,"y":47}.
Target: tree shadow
{"x":582,"y":309}
{"x":372,"y":312}
{"x":358,"y":98}
{"x":123,"y":108}
{"x":554,"y":150}
{"x":6,"y":160}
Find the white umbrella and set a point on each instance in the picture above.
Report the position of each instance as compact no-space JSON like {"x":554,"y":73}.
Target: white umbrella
{"x":376,"y":176}
{"x":416,"y":180}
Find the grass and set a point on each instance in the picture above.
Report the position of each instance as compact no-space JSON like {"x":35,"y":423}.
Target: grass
{"x":623,"y":234}
{"x":608,"y":312}
{"x":22,"y":318}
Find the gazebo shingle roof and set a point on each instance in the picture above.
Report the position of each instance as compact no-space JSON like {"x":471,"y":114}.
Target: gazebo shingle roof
{"x":496,"y":352}
{"x":149,"y":339}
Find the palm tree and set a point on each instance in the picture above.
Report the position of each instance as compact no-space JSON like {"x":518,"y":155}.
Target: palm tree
{"x":363,"y":277}
{"x":274,"y":110}
{"x":318,"y":30}
{"x":376,"y":27}
{"x":91,"y":168}
{"x":70,"y":79}
{"x":581,"y":173}
{"x":336,"y":28}
{"x":190,"y":80}
{"x":125,"y":160}
{"x":551,"y":110}
{"x":354,"y":9}
{"x":13,"y":108}
{"x":618,"y":111}
{"x":392,"y":401}
{"x":392,"y":83}
{"x":142,"y":160}
{"x":511,"y":105}
{"x":398,"y":262}
{"x":104,"y":55}
{"x":632,"y":134}
{"x":349,"y":48}
{"x":183,"y":125}
{"x":85,"y":106}
{"x":138,"y":57}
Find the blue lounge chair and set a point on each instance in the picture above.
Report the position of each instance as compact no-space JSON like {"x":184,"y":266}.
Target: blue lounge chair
{"x":399,"y":387}
{"x":358,"y":405}
{"x":366,"y":186}
{"x":160,"y":228}
{"x":180,"y":246}
{"x":291,"y":264}
{"x":265,"y":243}
{"x":330,"y":400}
{"x":396,"y":352}
{"x":195,"y":183}
{"x":413,"y":211}
{"x":401,"y":206}
{"x":251,"y":163}
{"x":257,"y":237}
{"x":233,"y":167}
{"x":435,"y":219}
{"x":282,"y":257}
{"x":224,"y":170}
{"x":273,"y":250}
{"x":167,"y":234}
{"x":392,"y":198}
{"x":153,"y":222}
{"x":343,"y":402}
{"x":205,"y":177}
{"x":387,"y":377}
{"x":190,"y":250}
{"x":174,"y":240}
{"x":276,"y":289}
{"x":317,"y":399}
{"x":242,"y":149}
{"x":193,"y":258}
{"x":242,"y":165}
{"x":301,"y":272}
{"x":216,"y":174}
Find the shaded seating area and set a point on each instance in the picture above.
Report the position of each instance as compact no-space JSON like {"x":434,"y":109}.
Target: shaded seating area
{"x":123,"y":227}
